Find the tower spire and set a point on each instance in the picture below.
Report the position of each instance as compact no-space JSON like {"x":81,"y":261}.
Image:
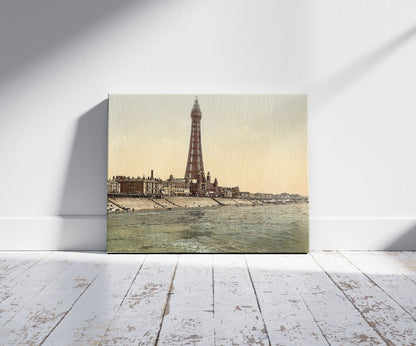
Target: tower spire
{"x":195,"y":109}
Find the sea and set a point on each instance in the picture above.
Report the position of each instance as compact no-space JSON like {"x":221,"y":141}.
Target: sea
{"x":273,"y":228}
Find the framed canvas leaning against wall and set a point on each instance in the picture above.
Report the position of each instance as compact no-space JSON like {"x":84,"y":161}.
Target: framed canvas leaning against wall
{"x":207,"y":174}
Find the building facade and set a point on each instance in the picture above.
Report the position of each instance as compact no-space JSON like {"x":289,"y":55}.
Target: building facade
{"x":176,"y":187}
{"x":149,"y":186}
{"x":113,"y":186}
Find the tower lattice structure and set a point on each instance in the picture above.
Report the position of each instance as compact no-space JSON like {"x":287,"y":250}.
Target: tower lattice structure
{"x":195,"y":164}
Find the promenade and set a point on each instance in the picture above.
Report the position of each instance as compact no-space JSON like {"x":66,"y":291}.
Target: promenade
{"x":124,"y":204}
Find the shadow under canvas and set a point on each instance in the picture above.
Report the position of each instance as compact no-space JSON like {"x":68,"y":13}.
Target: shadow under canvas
{"x":83,"y":202}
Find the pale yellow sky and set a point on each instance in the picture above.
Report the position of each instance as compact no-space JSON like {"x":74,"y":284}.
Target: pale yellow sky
{"x":256,"y":142}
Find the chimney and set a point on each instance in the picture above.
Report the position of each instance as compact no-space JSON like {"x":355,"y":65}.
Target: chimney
{"x":151,"y":174}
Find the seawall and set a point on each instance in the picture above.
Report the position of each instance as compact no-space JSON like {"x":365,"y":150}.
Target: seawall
{"x":124,"y":204}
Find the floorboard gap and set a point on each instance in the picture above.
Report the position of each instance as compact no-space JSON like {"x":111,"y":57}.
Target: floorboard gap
{"x":257,"y":300}
{"x":373,"y":282}
{"x":67,"y":312}
{"x":167,"y":300}
{"x":352,"y":303}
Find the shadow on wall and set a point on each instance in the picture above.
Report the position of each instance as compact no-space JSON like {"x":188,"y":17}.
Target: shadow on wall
{"x":406,"y":242}
{"x":85,"y":186}
{"x":25,"y":27}
{"x":84,"y":196}
{"x":325,"y":91}
{"x":330,"y":88}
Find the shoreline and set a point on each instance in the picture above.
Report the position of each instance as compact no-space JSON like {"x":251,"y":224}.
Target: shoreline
{"x":131,"y":204}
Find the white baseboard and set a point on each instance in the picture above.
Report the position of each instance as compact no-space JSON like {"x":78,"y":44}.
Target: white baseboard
{"x":362,"y":234}
{"x":90,"y":233}
{"x":54,"y":233}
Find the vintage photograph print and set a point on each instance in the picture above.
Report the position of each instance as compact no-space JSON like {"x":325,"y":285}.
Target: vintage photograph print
{"x":207,"y":174}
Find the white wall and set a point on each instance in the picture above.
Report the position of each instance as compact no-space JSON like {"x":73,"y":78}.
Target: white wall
{"x":60,"y":59}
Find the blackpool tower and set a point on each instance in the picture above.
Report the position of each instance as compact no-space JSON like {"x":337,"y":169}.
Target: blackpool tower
{"x":195,"y":164}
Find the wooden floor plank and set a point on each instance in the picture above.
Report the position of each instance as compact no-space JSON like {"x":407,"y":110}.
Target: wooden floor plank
{"x":15,"y":294}
{"x":386,"y":276}
{"x":238,"y":320}
{"x":139,"y":318}
{"x":410,"y":254}
{"x":287,"y":317}
{"x":338,"y":319}
{"x":33,"y":323}
{"x":400,"y":261}
{"x":189,"y":316}
{"x":76,"y":299}
{"x":10,"y":258}
{"x":391,"y":322}
{"x":90,"y":317}
{"x":14,"y":263}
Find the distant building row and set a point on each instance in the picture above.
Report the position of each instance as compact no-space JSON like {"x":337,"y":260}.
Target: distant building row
{"x":282,"y":197}
{"x":152,"y":186}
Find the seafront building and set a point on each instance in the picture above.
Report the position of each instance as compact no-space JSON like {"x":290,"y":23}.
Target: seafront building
{"x":113,"y":186}
{"x":176,"y":187}
{"x":149,"y":186}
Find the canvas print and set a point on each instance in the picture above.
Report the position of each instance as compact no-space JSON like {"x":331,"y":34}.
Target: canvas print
{"x":207,"y":174}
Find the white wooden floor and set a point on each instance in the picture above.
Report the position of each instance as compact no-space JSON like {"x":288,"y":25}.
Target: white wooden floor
{"x":337,"y":298}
